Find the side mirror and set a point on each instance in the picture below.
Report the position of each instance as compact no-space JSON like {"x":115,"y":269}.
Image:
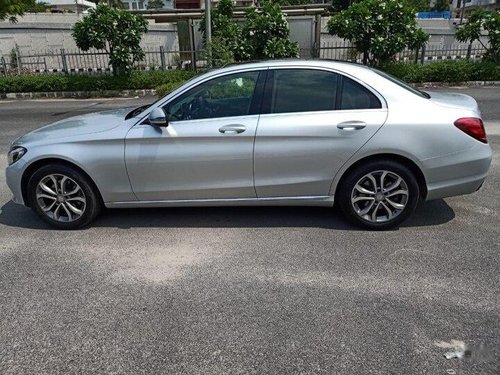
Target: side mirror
{"x":157,"y":117}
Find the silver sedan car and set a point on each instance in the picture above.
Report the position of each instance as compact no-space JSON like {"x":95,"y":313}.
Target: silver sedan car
{"x":269,"y":133}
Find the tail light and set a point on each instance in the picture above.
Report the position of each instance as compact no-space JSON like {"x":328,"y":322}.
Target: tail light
{"x":472,"y":126}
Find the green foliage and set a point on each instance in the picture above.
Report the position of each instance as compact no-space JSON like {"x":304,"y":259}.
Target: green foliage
{"x":445,"y":71}
{"x":10,"y":9}
{"x":117,"y":31}
{"x":441,"y":5}
{"x":167,"y":88}
{"x":226,"y":35}
{"x":266,"y":33}
{"x":155,"y":4}
{"x":379,"y":29}
{"x":488,"y":21}
{"x":420,"y":5}
{"x":60,"y":82}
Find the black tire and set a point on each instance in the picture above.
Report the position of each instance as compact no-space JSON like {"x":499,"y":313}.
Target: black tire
{"x":352,"y":210}
{"x":90,"y":208}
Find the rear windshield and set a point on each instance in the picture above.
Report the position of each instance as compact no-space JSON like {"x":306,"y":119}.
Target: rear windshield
{"x":402,"y":84}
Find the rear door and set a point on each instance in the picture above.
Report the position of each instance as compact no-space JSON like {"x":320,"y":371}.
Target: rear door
{"x":312,"y":122}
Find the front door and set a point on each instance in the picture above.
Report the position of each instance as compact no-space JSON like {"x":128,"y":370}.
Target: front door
{"x":206,"y":150}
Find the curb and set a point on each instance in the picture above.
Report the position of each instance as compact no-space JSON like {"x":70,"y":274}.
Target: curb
{"x":79,"y":94}
{"x":152,"y":92}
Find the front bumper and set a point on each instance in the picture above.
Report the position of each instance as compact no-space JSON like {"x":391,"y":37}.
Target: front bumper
{"x":13,"y":174}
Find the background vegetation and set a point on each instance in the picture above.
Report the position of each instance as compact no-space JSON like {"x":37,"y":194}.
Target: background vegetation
{"x":167,"y":81}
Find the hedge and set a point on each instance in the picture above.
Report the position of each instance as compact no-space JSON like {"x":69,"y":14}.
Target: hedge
{"x":61,"y":82}
{"x":166,"y":81}
{"x":445,"y":71}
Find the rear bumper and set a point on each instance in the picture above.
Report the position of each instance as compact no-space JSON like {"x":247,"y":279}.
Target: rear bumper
{"x":458,"y":173}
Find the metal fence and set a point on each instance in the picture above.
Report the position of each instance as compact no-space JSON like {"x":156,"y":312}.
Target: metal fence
{"x":94,"y":61}
{"x":97,"y":61}
{"x":346,"y":52}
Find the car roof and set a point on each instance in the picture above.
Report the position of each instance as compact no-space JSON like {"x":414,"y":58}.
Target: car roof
{"x":342,"y":65}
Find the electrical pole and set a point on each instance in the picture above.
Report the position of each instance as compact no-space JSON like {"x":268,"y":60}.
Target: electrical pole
{"x":462,"y":12}
{"x":208,"y":30}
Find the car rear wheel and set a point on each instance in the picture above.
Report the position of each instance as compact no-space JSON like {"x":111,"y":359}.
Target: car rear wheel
{"x":63,"y":197}
{"x":379,"y":195}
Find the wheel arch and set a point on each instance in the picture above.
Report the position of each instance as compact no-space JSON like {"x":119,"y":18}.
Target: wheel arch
{"x":407,"y":162}
{"x":28,"y":172}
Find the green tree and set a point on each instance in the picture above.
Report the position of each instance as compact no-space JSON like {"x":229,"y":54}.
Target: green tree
{"x":116,"y":31}
{"x":155,"y":4}
{"x":10,"y":9}
{"x":478,"y":21}
{"x":441,"y":5}
{"x":226,"y":35}
{"x":378,"y":29}
{"x":265,"y":34}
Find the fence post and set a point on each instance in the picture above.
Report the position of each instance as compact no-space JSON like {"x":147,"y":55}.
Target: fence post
{"x":422,"y":57}
{"x":162,"y":57}
{"x":64,"y":62}
{"x":469,"y":51}
{"x":4,"y":67}
{"x":317,"y":36}
{"x":18,"y":58}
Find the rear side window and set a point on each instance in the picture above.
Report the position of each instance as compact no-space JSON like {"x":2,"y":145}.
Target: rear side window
{"x":356,"y":96}
{"x":303,"y":90}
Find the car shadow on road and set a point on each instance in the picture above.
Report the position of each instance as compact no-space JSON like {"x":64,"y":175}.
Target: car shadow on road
{"x":427,"y":214}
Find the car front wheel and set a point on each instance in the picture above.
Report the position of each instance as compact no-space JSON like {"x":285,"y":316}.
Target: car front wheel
{"x":379,"y":195}
{"x":63,"y":197}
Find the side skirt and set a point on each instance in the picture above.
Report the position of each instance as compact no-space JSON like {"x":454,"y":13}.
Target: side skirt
{"x":321,"y":201}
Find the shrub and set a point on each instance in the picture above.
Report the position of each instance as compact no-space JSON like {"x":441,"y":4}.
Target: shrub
{"x":167,"y":88}
{"x":445,"y":71}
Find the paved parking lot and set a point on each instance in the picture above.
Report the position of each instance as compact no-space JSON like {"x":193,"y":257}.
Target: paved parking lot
{"x":248,"y":290}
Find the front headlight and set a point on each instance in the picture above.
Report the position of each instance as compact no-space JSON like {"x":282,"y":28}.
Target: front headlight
{"x":15,"y":154}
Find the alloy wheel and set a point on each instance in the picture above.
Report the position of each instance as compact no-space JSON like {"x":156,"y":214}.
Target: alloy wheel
{"x":60,"y":198}
{"x":379,"y":196}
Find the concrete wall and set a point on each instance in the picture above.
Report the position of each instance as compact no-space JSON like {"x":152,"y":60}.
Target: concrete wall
{"x":35,"y":33}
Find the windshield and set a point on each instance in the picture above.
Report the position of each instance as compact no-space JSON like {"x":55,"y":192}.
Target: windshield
{"x":402,"y":84}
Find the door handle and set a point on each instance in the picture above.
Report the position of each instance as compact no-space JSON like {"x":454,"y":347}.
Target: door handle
{"x":351,"y":125}
{"x":232,"y":129}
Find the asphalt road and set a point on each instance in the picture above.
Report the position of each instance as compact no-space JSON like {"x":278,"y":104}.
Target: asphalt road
{"x":248,"y":290}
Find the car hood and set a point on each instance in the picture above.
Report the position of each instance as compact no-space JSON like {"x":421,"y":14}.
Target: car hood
{"x":78,"y":125}
{"x":454,"y":100}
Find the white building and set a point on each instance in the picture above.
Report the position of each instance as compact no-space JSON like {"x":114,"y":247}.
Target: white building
{"x":69,"y":5}
{"x":142,"y":4}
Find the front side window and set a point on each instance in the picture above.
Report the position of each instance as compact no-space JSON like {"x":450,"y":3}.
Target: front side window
{"x":303,"y":90}
{"x":226,"y":96}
